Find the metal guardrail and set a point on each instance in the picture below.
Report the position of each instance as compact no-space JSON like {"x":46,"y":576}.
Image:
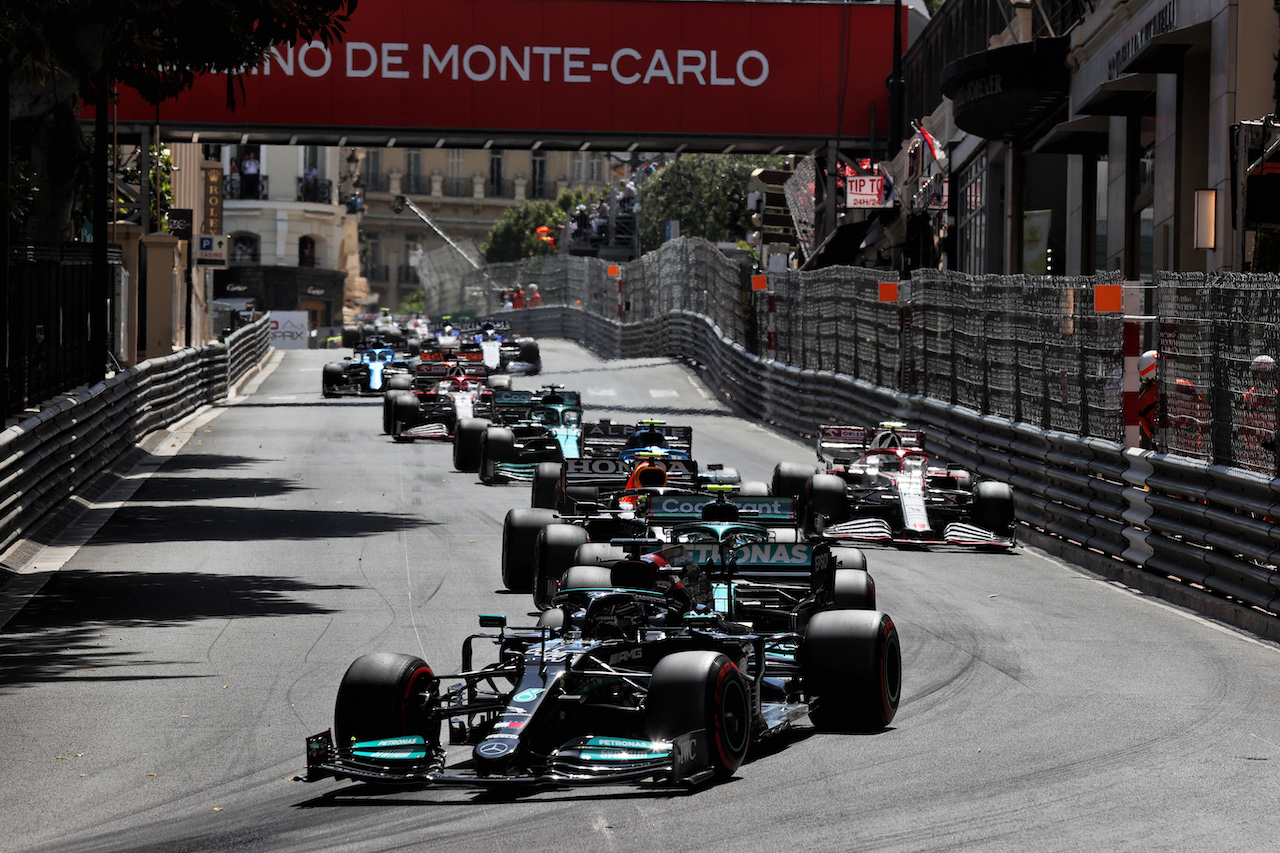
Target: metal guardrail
{"x":49,"y":457}
{"x":1179,"y":520}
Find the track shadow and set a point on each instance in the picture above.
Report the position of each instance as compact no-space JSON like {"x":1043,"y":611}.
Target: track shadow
{"x":65,"y":631}
{"x":161,"y":488}
{"x":140,"y":524}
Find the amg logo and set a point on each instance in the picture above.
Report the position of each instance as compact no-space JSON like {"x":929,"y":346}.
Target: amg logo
{"x":630,"y":654}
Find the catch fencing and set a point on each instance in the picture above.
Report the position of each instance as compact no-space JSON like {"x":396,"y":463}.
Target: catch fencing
{"x":48,"y":457}
{"x":1016,"y":377}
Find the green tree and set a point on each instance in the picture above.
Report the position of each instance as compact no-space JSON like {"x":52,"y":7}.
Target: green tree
{"x":515,"y":236}
{"x":706,"y":193}
{"x":56,"y":53}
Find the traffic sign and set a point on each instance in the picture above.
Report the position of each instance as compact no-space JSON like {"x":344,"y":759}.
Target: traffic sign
{"x":212,"y":250}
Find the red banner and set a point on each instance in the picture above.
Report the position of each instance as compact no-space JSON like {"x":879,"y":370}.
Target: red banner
{"x":725,"y":69}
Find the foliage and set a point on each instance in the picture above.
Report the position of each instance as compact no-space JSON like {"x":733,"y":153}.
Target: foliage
{"x":57,"y":52}
{"x":706,"y":193}
{"x":414,"y":302}
{"x":515,"y":235}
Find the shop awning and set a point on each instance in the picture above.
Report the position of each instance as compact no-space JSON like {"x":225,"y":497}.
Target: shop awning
{"x":1129,"y":94}
{"x":1082,"y":135}
{"x":1008,"y":92}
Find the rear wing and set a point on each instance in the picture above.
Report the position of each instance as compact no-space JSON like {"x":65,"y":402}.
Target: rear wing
{"x":849,"y":441}
{"x":671,"y":509}
{"x":605,"y":439}
{"x":612,"y":474}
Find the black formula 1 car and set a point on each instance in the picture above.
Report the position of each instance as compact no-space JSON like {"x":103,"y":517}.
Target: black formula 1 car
{"x":880,"y":485}
{"x":623,"y":680}
{"x":524,"y":428}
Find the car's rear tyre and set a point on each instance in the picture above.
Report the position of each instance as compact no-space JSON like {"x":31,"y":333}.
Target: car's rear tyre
{"x":400,"y":382}
{"x":546,"y":485}
{"x":993,"y":507}
{"x":598,"y":554}
{"x":330,"y":379}
{"x":381,"y":697}
{"x":497,"y":445}
{"x":404,"y":411}
{"x":824,"y":496}
{"x":574,"y":495}
{"x":519,"y":540}
{"x":499,"y":381}
{"x":789,"y":479}
{"x":704,"y":690}
{"x":851,"y":666}
{"x":853,"y":589}
{"x":530,"y":354}
{"x":587,"y":577}
{"x":556,"y":546}
{"x":388,"y":413}
{"x":466,"y":444}
{"x":553,"y":619}
{"x":754,"y":489}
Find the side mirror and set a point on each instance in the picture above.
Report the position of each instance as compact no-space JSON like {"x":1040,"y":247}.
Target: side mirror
{"x":492,"y":620}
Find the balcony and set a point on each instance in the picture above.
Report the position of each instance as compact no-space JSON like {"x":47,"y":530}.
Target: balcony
{"x":376,"y":272}
{"x":406,"y":274}
{"x":315,"y":191}
{"x":458,"y":187}
{"x":243,"y":187}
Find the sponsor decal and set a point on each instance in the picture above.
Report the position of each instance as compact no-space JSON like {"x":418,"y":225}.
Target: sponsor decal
{"x":692,"y":506}
{"x":493,"y":748}
{"x":630,"y":654}
{"x":760,"y":554}
{"x":528,"y":695}
{"x":626,"y":743}
{"x":509,"y":724}
{"x":408,"y":740}
{"x":503,"y":736}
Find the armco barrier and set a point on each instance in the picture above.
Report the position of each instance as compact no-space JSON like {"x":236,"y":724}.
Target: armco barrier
{"x":1107,"y":506}
{"x":48,"y":457}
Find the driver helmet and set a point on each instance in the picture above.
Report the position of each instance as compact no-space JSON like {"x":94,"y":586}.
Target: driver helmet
{"x":1147,"y":364}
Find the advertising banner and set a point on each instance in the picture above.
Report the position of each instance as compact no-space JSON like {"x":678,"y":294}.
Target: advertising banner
{"x":289,"y":330}
{"x":568,"y":66}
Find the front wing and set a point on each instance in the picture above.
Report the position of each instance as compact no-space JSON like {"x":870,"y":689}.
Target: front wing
{"x":684,"y":761}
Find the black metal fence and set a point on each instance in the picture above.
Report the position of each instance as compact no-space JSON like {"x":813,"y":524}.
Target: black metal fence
{"x":50,"y":298}
{"x":1031,"y":349}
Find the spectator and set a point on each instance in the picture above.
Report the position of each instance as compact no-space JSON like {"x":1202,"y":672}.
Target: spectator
{"x":535,"y":298}
{"x":506,"y":299}
{"x":517,"y":299}
{"x":310,"y":183}
{"x":1148,"y":397}
{"x":1258,"y":435}
{"x":249,"y":176}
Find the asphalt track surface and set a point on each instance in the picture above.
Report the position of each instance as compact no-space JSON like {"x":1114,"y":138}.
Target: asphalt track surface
{"x":156,"y":689}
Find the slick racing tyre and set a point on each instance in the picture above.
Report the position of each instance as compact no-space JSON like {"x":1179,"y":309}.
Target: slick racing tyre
{"x":587,"y":577}
{"x":466,"y":444}
{"x":330,"y":379}
{"x":993,"y":507}
{"x":704,"y":690}
{"x":497,"y":445}
{"x":519,"y":537}
{"x":598,"y":554}
{"x":400,"y":382}
{"x":530,"y":355}
{"x":388,"y":413}
{"x":789,"y":479}
{"x":853,"y":589}
{"x":823,"y":495}
{"x":851,"y":668}
{"x":555,"y":549}
{"x":754,"y":489}
{"x":546,"y":485}
{"x":404,"y":411}
{"x":382,"y":696}
{"x":499,"y":381}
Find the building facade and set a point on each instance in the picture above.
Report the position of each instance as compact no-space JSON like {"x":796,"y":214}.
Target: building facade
{"x":1082,"y":137}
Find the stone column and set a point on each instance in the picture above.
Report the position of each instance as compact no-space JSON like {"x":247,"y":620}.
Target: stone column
{"x":161,"y":262}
